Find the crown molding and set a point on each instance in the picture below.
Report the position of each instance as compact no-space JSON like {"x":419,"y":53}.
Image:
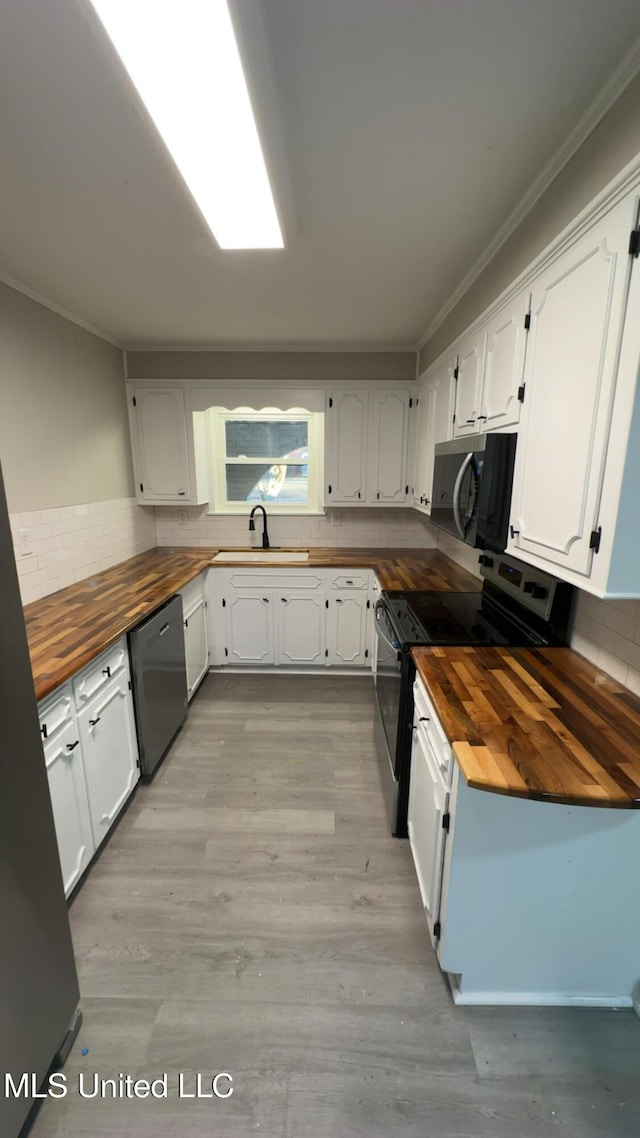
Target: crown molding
{"x":38,"y":297}
{"x":291,"y":348}
{"x":613,"y":88}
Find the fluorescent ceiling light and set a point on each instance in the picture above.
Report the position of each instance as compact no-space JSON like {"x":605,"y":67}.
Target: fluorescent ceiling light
{"x":183,"y":58}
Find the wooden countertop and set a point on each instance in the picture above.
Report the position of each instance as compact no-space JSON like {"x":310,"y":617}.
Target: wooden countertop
{"x":68,"y":629}
{"x":538,"y":723}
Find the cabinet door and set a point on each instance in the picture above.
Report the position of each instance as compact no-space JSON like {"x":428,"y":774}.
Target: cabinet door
{"x":427,"y":804}
{"x":435,"y":425}
{"x":195,"y":645}
{"x":68,"y":792}
{"x":577,"y":312}
{"x":388,"y":448}
{"x":301,"y":621}
{"x":347,"y":631}
{"x":469,"y":385}
{"x":347,"y":438}
{"x":110,"y":755}
{"x":160,"y":444}
{"x":504,"y":365}
{"x":249,"y":626}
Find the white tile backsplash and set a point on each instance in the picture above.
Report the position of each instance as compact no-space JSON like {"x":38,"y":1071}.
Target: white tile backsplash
{"x":400,"y":528}
{"x":71,"y":542}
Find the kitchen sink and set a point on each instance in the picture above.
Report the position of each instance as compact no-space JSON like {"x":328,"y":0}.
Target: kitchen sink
{"x":261,"y":555}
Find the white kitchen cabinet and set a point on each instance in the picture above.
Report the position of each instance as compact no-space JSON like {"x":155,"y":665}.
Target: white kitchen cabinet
{"x":167,"y":446}
{"x":367,"y":441}
{"x":68,"y":790}
{"x":347,"y":632}
{"x":196,"y":640}
{"x":389,"y":446}
{"x":109,"y":753}
{"x":301,"y":627}
{"x":469,"y":374}
{"x":428,"y":800}
{"x":577,"y":316}
{"x":504,"y":365}
{"x":435,"y":425}
{"x":249,"y":627}
{"x":347,"y":425}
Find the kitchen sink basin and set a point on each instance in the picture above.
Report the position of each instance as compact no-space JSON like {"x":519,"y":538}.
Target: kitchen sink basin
{"x":260,"y":555}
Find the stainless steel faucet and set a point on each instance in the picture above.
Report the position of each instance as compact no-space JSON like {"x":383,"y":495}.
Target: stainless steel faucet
{"x":252,"y":525}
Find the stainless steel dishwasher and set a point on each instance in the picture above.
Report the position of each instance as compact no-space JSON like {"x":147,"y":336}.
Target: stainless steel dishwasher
{"x":159,"y":677}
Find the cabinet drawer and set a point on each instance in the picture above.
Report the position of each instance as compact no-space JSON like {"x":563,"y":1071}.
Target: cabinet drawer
{"x":358,"y":580}
{"x":56,"y":712}
{"x":427,"y":722}
{"x":99,"y":673}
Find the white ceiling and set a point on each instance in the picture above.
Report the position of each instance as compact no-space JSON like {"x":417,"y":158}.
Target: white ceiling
{"x":401,"y":134}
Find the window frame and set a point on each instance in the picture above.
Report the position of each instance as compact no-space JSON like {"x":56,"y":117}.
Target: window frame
{"x":218,"y":459}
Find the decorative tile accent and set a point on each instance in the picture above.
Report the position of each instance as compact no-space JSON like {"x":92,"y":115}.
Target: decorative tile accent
{"x":72,"y":542}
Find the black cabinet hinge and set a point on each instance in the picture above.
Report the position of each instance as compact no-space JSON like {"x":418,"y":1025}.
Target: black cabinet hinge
{"x":454,"y":417}
{"x":141,"y":488}
{"x":331,"y":402}
{"x":224,"y":603}
{"x":446,"y":821}
{"x":326,"y":604}
{"x":138,"y":763}
{"x":44,"y":730}
{"x":129,"y":685}
{"x":366,"y":653}
{"x":368,"y":604}
{"x":521,"y":393}
{"x":226,"y":651}
{"x":329,"y":489}
{"x":134,"y":401}
{"x":527,"y":322}
{"x":411,"y":403}
{"x":594,"y":540}
{"x":455,"y":372}
{"x":418,"y":401}
{"x":437,"y":929}
{"x":326,"y":651}
{"x":634,"y":243}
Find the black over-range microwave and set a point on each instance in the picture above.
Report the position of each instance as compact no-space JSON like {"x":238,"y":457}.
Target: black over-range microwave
{"x":472,"y":481}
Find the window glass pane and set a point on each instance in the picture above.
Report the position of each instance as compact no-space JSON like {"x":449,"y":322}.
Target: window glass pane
{"x":248,"y":438}
{"x":255,"y":482}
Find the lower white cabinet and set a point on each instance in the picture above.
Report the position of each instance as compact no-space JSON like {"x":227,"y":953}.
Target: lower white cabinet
{"x":68,"y":790}
{"x":428,"y":799}
{"x":301,"y":628}
{"x":291,"y":618}
{"x":248,"y":628}
{"x":196,"y":645}
{"x":347,"y":629}
{"x":109,"y":753}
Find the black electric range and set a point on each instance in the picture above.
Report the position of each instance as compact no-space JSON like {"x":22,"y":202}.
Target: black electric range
{"x":518,"y":606}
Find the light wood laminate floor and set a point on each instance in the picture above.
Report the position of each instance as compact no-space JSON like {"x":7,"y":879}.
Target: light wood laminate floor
{"x":251,"y":914}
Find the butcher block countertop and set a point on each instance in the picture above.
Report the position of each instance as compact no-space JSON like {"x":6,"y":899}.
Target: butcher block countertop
{"x":68,"y":629}
{"x":538,"y":723}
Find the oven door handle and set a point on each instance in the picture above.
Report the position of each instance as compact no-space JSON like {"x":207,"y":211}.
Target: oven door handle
{"x":466,"y":463}
{"x":393,"y":644}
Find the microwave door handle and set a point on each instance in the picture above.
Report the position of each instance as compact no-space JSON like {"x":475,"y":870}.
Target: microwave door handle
{"x":466,"y":463}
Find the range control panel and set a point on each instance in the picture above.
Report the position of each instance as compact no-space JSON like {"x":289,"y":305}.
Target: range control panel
{"x":530,"y":586}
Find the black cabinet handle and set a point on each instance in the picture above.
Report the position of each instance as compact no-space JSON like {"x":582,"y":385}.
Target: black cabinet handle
{"x":265,"y":600}
{"x":92,"y":722}
{"x":329,"y":489}
{"x":481,"y":417}
{"x":470,"y":420}
{"x":284,"y":600}
{"x":338,"y":600}
{"x":425,"y":719}
{"x":349,"y":582}
{"x":44,"y":730}
{"x":514,"y":532}
{"x":72,"y":746}
{"x":358,"y":493}
{"x":378,"y":494}
{"x":106,"y":671}
{"x":186,"y":623}
{"x":181,"y":493}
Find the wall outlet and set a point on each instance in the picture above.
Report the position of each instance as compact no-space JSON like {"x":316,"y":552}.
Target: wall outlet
{"x":183,"y":517}
{"x":24,"y":543}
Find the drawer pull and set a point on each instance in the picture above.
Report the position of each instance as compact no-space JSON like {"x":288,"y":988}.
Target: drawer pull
{"x":106,"y":671}
{"x":349,"y":582}
{"x":165,"y":628}
{"x":72,"y":746}
{"x":92,"y":722}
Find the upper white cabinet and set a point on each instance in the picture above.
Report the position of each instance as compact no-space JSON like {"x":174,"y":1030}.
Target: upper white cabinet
{"x":506,"y":341}
{"x":367,"y":433}
{"x":163,"y":444}
{"x":567,"y":438}
{"x":435,"y":425}
{"x":469,"y":376}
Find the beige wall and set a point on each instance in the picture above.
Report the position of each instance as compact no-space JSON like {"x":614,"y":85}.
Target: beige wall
{"x":614,"y":143}
{"x":317,"y":366}
{"x":64,"y":437}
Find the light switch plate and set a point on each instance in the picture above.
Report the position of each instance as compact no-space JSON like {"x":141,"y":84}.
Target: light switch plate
{"x":24,"y":543}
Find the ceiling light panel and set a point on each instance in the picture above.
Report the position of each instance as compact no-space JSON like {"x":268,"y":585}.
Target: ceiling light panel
{"x":183,"y":58}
